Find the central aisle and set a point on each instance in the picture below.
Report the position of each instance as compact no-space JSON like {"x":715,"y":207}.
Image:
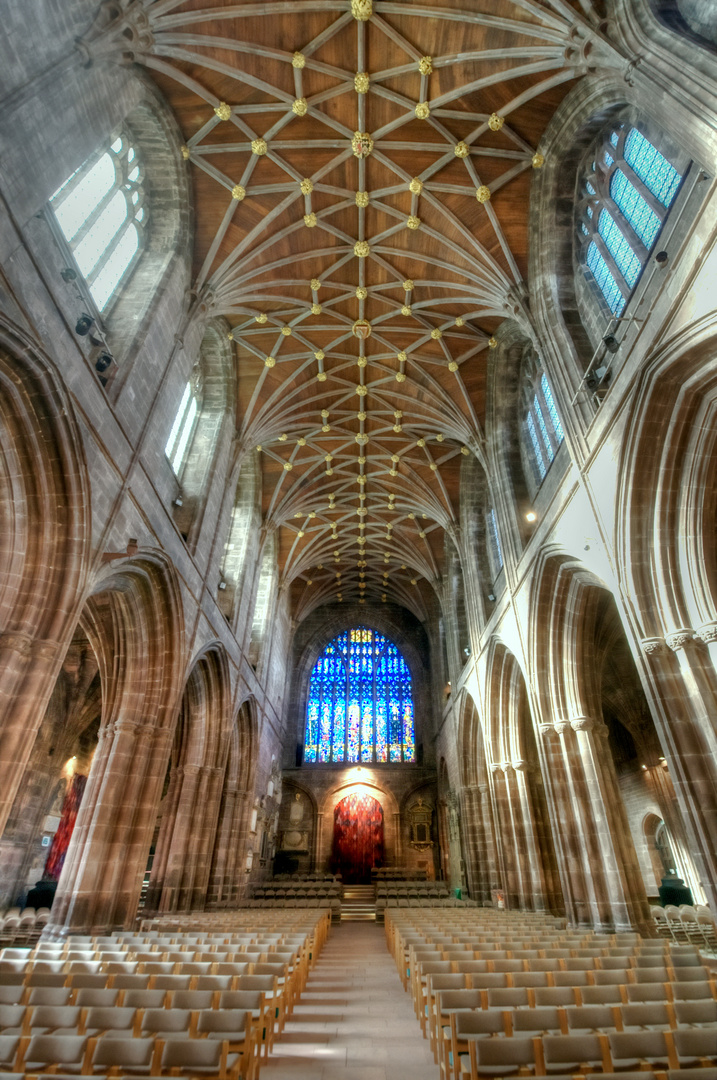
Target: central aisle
{"x":354,"y":1021}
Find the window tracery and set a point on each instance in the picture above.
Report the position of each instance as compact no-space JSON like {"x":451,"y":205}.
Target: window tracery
{"x":102,"y":214}
{"x":626,"y":195}
{"x":360,"y":702}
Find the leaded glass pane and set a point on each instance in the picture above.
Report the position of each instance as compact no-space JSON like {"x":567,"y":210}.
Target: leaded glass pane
{"x":360,"y":704}
{"x":552,"y":410}
{"x":606,"y":282}
{"x":617,"y":244}
{"x":653,"y":169}
{"x":537,"y":451}
{"x":628,"y":199}
{"x":97,"y":210}
{"x":548,"y":449}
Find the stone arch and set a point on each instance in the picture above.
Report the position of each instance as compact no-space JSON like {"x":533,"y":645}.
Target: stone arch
{"x":665,"y":538}
{"x":297,"y":854}
{"x":575,"y":622}
{"x":134,"y":622}
{"x":352,"y":784}
{"x":190,"y":808}
{"x":525,"y":848}
{"x":216,"y":363}
{"x":44,"y":543}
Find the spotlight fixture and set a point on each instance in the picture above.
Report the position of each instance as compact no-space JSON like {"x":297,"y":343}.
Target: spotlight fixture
{"x":178,"y":501}
{"x":222,"y":584}
{"x":531,"y":516}
{"x":611,"y":343}
{"x":491,"y":597}
{"x":83,"y":324}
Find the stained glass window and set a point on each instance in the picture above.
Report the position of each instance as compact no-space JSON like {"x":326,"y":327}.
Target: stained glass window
{"x":101,"y":213}
{"x":544,"y":428}
{"x":360,"y":703}
{"x":628,"y":189}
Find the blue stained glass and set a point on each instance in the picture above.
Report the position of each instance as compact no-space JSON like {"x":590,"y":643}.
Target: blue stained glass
{"x":642,"y":219}
{"x":360,"y":705}
{"x":614,"y":138}
{"x":590,"y":188}
{"x":617,"y":244}
{"x":543,"y":429}
{"x":537,"y":451}
{"x":653,"y":169}
{"x":553,"y":412}
{"x":608,"y":159}
{"x":606,"y":282}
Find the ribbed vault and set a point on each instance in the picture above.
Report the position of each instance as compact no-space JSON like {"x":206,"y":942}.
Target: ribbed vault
{"x":414,"y":232}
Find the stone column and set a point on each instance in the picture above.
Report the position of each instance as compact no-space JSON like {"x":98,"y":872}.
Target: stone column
{"x":624,"y":889}
{"x":533,"y":872}
{"x":101,"y":880}
{"x":682,"y":673}
{"x":28,"y":672}
{"x":478,"y":832}
{"x":218,"y":888}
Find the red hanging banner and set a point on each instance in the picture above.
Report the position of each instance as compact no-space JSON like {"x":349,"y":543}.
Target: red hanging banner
{"x":358,"y":838}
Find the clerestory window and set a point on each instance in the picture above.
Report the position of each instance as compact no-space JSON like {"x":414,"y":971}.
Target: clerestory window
{"x":360,"y":703}
{"x":625,"y":197}
{"x":101,"y":212}
{"x":495,"y":554}
{"x":184,"y":422}
{"x":544,"y":430}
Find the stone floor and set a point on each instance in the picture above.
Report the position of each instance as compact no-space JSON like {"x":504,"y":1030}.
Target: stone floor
{"x":354,"y":1021}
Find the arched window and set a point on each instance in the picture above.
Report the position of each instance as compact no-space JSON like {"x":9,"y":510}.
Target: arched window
{"x":185,"y":421}
{"x":543,"y":427}
{"x":102,"y":215}
{"x":360,"y":704}
{"x":626,"y":193}
{"x":495,"y":553}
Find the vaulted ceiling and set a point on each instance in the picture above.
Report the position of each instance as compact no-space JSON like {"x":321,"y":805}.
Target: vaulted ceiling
{"x":362,"y":175}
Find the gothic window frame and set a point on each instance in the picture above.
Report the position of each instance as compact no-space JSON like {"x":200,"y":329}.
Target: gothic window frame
{"x":495,"y":550}
{"x":617,"y":231}
{"x":543,"y":432}
{"x":358,"y":667}
{"x":185,"y":422}
{"x":129,"y":187}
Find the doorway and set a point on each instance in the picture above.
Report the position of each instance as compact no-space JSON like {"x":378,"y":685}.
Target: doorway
{"x":358,"y":838}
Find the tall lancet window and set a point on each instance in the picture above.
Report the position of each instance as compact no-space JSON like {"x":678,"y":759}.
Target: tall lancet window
{"x":626,"y":193}
{"x":102,"y":215}
{"x":360,"y":703}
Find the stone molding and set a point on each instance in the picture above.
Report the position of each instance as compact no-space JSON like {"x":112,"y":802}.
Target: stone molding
{"x":653,"y":646}
{"x":120,"y":31}
{"x":678,"y":639}
{"x":707,"y":633}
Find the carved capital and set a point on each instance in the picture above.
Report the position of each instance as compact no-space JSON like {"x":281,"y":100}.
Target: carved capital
{"x":562,"y":727}
{"x":707,"y":633}
{"x":16,"y":641}
{"x":582,"y":723}
{"x":121,"y":31}
{"x":653,"y":646}
{"x":546,"y":729}
{"x":679,"y":638}
{"x":521,"y":766}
